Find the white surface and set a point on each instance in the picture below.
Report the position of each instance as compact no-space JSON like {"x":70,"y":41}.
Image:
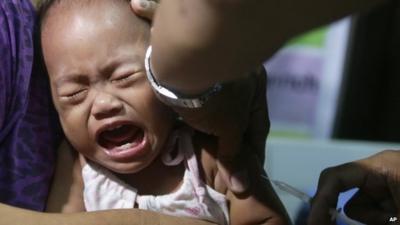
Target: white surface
{"x":333,"y":71}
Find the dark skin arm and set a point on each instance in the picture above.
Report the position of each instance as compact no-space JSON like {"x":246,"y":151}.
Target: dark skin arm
{"x":16,"y":216}
{"x":237,"y":115}
{"x":199,"y":43}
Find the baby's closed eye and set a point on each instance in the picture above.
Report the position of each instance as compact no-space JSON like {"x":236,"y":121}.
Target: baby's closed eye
{"x":125,"y":79}
{"x":74,"y":94}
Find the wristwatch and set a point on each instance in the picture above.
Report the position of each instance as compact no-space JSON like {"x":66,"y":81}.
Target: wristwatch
{"x":173,"y":99}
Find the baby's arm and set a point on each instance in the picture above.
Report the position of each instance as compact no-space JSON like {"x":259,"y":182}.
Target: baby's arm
{"x":259,"y":205}
{"x":66,"y":194}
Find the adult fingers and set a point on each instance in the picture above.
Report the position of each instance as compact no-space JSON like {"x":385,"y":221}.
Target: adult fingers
{"x":219,"y":118}
{"x":364,"y":208}
{"x":378,"y":199}
{"x":394,"y":187}
{"x":144,"y":8}
{"x":234,"y":177}
{"x":331,"y":183}
{"x":250,"y":128}
{"x":259,"y":124}
{"x":250,"y":135}
{"x":393,"y":179}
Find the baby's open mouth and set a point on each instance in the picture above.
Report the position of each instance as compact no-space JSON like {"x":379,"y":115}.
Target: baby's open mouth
{"x":121,"y":137}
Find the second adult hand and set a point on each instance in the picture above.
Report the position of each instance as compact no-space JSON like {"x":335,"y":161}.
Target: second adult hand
{"x":335,"y":213}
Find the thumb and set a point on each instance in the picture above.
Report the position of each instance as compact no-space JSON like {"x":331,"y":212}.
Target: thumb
{"x":394,"y":184}
{"x":362,"y":207}
{"x":234,"y":177}
{"x":144,"y":8}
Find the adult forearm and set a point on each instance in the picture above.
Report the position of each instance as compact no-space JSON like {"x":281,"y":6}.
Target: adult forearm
{"x":197,"y":43}
{"x":10,"y":215}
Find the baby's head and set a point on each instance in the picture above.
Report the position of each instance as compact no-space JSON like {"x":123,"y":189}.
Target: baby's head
{"x":94,"y":53}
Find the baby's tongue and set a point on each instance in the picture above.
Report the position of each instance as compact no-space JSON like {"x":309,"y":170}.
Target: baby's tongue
{"x":119,"y":136}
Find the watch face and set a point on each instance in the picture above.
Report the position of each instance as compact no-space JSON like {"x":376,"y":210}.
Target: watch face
{"x":169,"y":97}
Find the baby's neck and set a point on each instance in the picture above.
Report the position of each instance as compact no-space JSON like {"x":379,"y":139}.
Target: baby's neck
{"x":156,"y":179}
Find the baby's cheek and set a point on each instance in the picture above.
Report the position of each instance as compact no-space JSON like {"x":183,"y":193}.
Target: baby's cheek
{"x":75,"y":128}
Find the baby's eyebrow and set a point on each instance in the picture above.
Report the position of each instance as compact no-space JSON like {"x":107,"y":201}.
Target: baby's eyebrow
{"x":77,"y":78}
{"x":115,"y":62}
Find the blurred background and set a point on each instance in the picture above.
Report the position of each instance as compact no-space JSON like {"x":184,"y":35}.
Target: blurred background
{"x":333,"y":96}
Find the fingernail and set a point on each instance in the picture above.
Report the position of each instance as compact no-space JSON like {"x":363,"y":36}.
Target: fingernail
{"x":239,"y":181}
{"x":144,"y":4}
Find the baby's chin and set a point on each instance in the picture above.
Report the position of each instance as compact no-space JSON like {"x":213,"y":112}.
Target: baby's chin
{"x":127,"y":168}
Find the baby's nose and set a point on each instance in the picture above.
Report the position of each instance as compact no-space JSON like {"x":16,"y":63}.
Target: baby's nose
{"x":106,"y":105}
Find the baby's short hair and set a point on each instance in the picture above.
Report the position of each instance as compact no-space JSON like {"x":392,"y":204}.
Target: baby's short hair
{"x":44,"y":6}
{"x":140,"y":25}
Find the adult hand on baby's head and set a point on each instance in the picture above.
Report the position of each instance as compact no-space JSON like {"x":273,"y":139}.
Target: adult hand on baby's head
{"x":378,"y":197}
{"x":144,"y":8}
{"x":237,"y":115}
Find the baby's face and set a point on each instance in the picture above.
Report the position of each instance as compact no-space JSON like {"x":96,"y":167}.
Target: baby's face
{"x":107,"y":108}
